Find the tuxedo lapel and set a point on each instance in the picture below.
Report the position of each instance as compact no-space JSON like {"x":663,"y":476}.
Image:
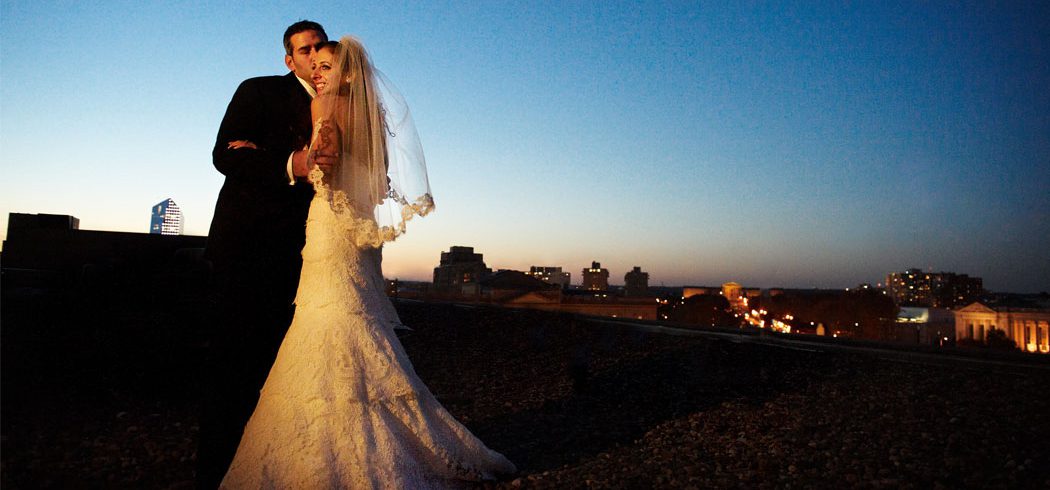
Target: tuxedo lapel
{"x":299,"y":105}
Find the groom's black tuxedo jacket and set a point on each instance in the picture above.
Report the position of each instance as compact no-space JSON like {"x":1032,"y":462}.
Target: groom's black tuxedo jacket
{"x":259,"y":222}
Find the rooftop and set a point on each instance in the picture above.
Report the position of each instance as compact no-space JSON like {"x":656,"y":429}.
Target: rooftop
{"x":573,"y":401}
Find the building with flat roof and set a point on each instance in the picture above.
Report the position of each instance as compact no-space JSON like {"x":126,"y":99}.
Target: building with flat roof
{"x":926,"y":326}
{"x":595,"y":278}
{"x":51,"y":251}
{"x":914,"y":287}
{"x":552,"y":275}
{"x":460,"y":270}
{"x":636,"y":282}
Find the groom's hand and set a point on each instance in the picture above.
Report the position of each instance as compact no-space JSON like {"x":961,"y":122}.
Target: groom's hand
{"x":236,"y":145}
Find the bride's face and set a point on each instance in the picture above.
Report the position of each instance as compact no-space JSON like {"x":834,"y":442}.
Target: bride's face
{"x":322,"y":71}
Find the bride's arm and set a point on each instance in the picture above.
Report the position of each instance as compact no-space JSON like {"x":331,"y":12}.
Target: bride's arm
{"x":324,"y":146}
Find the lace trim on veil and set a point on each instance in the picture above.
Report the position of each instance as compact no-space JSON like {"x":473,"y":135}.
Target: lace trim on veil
{"x":365,"y":231}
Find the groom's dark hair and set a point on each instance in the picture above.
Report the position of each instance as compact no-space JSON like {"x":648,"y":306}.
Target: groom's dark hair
{"x":296,"y":28}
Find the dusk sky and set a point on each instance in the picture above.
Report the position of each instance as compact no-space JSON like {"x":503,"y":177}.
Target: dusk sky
{"x":773,"y":144}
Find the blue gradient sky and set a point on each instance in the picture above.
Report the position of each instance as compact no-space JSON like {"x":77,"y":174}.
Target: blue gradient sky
{"x":781,"y":144}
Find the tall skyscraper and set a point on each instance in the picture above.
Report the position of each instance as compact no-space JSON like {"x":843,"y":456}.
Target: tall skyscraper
{"x":166,"y":218}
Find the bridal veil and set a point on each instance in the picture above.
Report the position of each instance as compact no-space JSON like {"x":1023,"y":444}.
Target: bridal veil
{"x":382,"y":175}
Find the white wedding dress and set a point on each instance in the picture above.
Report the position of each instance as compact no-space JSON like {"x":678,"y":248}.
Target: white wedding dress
{"x":342,"y":406}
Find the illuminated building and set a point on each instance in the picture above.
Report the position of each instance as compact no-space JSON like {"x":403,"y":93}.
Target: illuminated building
{"x":731,"y":291}
{"x":166,"y":219}
{"x":1026,"y":323}
{"x":596,"y":278}
{"x":551,"y":275}
{"x":922,"y":325}
{"x":739,"y":296}
{"x":460,"y":270}
{"x":690,"y":291}
{"x":914,"y":287}
{"x":911,"y":287}
{"x":636,"y":282}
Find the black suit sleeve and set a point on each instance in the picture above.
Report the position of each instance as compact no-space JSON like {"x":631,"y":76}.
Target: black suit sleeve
{"x":245,"y":119}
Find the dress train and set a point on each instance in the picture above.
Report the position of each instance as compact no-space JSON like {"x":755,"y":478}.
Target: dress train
{"x":342,"y":406}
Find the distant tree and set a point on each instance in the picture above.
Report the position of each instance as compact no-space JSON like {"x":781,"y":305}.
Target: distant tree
{"x":996,"y":339}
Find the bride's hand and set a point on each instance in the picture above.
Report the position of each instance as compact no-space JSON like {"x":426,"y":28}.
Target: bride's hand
{"x":325,"y":151}
{"x":235,"y":145}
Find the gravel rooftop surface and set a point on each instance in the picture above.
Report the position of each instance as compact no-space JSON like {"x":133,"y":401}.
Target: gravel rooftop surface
{"x":578,"y":404}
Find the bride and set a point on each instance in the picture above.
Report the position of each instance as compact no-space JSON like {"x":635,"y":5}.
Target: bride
{"x":342,"y":406}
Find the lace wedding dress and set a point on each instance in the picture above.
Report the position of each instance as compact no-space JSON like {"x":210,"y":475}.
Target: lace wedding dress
{"x":342,"y":406}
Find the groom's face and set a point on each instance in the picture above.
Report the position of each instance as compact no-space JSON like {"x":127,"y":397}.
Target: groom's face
{"x":303,"y":47}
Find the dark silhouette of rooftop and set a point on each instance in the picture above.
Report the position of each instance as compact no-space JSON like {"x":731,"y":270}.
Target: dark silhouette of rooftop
{"x":104,"y":394}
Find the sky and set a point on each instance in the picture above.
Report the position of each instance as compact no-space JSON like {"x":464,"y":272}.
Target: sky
{"x":781,"y":144}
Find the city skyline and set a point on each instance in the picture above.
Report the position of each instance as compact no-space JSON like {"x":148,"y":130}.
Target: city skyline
{"x":793,"y":145}
{"x":618,"y":280}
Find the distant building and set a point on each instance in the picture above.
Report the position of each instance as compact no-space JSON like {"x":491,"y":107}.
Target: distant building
{"x":732,"y":291}
{"x":460,"y":271}
{"x":19,"y":223}
{"x":910,"y":288}
{"x":1026,"y":323}
{"x":636,"y":282}
{"x":690,"y":291}
{"x":739,"y":296}
{"x":551,"y":275}
{"x":925,"y":326}
{"x":166,"y":218}
{"x":505,"y":284}
{"x":957,"y":290}
{"x":516,"y":289}
{"x":51,"y":251}
{"x":594,"y":303}
{"x":596,"y":278}
{"x":914,"y":287}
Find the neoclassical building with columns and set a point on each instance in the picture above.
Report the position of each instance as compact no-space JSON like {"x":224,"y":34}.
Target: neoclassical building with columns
{"x":1028,"y":327}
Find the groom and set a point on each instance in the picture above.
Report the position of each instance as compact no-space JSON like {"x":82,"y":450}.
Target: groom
{"x":255,"y":241}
